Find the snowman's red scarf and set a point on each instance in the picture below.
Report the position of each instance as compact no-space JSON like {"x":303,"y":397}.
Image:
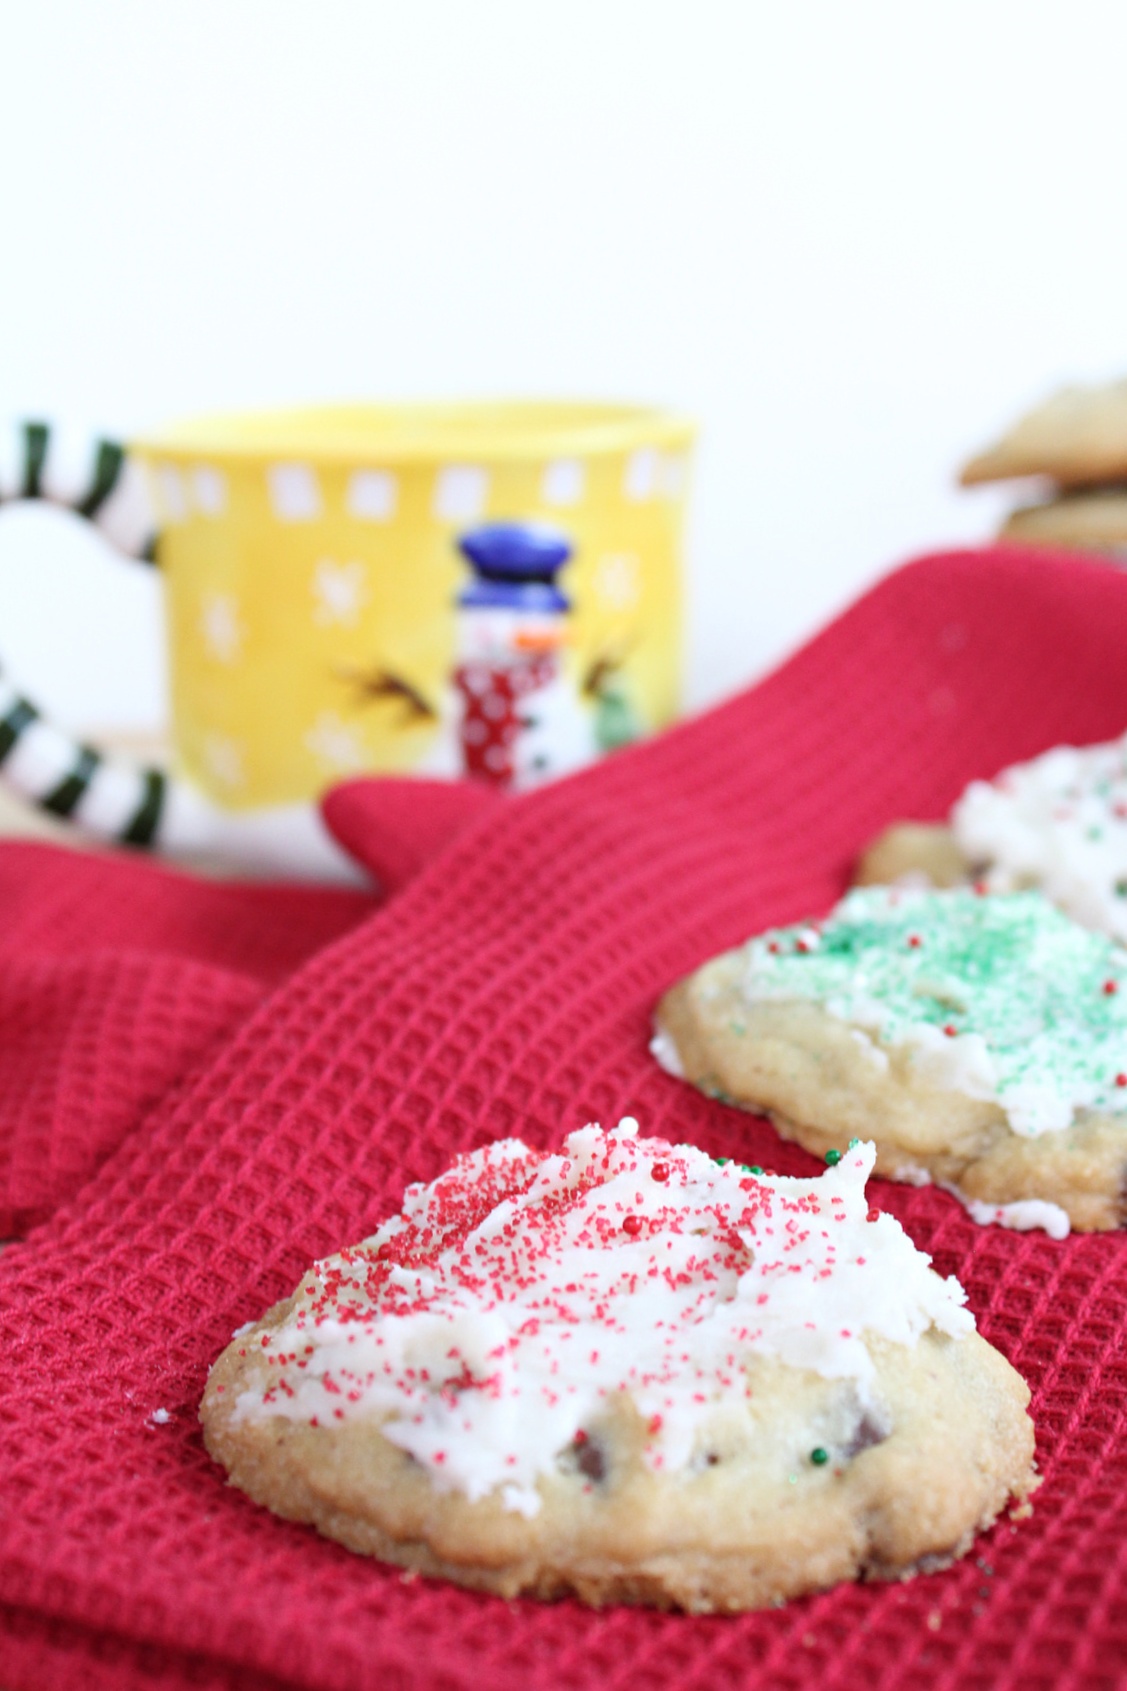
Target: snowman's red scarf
{"x":493,"y":696}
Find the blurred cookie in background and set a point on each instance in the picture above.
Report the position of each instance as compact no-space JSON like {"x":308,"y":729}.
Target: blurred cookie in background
{"x":1094,"y":520}
{"x":1076,"y":441}
{"x":1077,"y":438}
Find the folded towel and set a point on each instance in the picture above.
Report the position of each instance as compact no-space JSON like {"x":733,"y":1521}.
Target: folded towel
{"x":507,"y":988}
{"x":118,"y":978}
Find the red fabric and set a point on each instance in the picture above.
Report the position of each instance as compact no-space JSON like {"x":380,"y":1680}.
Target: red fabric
{"x":508,"y":989}
{"x":117,"y":979}
{"x":394,"y":827}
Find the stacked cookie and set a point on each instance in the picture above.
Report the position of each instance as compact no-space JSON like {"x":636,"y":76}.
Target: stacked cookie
{"x":1077,"y":441}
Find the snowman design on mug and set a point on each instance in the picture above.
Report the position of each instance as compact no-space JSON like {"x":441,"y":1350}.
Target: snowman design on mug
{"x":521,"y":719}
{"x":500,"y":682}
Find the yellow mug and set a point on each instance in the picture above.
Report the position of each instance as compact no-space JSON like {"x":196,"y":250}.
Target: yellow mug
{"x":482,"y":590}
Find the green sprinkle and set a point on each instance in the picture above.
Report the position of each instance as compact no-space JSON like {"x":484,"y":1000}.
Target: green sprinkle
{"x":833,"y":1157}
{"x":819,"y":1457}
{"x":1018,"y":984}
{"x":853,"y":1144}
{"x":755,"y":1169}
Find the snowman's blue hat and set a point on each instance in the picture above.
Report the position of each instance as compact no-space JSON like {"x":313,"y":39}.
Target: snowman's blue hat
{"x":515,"y":566}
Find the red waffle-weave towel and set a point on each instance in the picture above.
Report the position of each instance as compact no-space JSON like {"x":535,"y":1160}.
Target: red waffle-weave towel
{"x":508,"y":989}
{"x":118,"y":978}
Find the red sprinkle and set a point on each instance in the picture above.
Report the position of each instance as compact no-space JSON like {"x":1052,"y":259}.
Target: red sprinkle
{"x":1111,"y":987}
{"x":660,"y":1171}
{"x":801,"y":945}
{"x":950,"y":1029}
{"x":873,"y":1214}
{"x":914,"y":941}
{"x":1121,"y":1080}
{"x":632,"y":1224}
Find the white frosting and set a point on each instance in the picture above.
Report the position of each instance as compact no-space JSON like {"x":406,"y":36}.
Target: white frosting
{"x":663,"y":1048}
{"x":910,"y":1174}
{"x":490,"y":1323}
{"x":874,"y":1053}
{"x":1023,"y":1216}
{"x":1058,"y":822}
{"x":960,"y":1064}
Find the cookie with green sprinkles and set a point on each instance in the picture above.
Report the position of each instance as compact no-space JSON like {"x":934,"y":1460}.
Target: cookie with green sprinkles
{"x":980,"y":1040}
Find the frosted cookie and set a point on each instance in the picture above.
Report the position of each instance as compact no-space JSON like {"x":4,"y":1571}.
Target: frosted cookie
{"x":1077,"y":437}
{"x":914,"y":854}
{"x":980,"y":1040}
{"x":1094,"y":521}
{"x":632,"y":1373}
{"x":1058,"y":823}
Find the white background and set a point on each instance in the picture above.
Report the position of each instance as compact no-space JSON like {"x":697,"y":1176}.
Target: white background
{"x":850,"y":237}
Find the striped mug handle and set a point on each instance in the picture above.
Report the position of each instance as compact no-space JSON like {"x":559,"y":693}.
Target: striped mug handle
{"x":109,"y":798}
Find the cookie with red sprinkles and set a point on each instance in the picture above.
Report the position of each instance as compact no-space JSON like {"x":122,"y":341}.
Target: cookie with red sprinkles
{"x":631,"y":1373}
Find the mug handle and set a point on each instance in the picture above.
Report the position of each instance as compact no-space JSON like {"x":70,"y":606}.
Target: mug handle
{"x":109,"y":798}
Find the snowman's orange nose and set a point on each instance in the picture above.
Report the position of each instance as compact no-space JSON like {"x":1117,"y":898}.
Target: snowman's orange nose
{"x":543,"y":640}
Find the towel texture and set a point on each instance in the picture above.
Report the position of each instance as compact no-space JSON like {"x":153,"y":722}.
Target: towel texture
{"x":507,"y":988}
{"x":118,"y":978}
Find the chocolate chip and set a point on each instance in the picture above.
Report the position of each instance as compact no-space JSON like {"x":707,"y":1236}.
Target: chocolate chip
{"x":703,"y":1459}
{"x":592,"y":1461}
{"x":587,"y":1456}
{"x":866,"y":1433}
